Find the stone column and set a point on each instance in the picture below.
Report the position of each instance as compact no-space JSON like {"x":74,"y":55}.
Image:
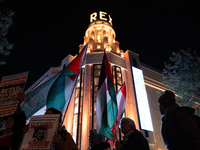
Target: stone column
{"x":86,"y":107}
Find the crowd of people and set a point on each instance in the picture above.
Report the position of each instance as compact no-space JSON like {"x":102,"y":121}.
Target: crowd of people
{"x":179,"y":130}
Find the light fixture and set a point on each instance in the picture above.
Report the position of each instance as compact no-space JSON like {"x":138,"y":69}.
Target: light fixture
{"x":88,"y":49}
{"x":98,"y":46}
{"x":108,"y":48}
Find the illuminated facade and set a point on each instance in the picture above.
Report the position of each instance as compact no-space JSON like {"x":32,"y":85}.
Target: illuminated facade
{"x":80,"y":116}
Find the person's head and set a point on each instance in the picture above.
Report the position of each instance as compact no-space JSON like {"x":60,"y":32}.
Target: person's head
{"x":39,"y":133}
{"x":166,"y":100}
{"x":54,"y":111}
{"x":9,"y":121}
{"x":95,"y":138}
{"x":127,"y":125}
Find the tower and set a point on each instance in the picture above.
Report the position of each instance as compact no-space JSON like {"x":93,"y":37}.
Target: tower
{"x":100,"y":36}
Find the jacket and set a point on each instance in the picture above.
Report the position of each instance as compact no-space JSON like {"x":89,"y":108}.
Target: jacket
{"x":179,"y":130}
{"x":136,"y":141}
{"x":66,"y":142}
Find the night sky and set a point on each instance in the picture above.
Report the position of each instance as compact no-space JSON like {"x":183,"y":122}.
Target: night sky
{"x":45,"y":32}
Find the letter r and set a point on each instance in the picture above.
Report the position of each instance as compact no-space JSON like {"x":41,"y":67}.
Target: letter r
{"x":93,"y":17}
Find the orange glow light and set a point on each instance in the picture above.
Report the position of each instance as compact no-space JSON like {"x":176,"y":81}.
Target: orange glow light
{"x":98,"y":46}
{"x":108,"y":48}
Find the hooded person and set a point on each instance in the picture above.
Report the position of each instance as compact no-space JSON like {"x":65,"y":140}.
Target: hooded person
{"x":179,"y":129}
{"x":97,"y":141}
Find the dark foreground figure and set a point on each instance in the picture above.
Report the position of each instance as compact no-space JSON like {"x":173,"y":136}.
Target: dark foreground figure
{"x":179,"y":129}
{"x":97,"y":141}
{"x":132,"y":139}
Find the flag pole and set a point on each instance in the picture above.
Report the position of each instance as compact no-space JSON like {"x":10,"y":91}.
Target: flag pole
{"x":114,"y":123}
{"x":75,"y":82}
{"x":69,"y":100}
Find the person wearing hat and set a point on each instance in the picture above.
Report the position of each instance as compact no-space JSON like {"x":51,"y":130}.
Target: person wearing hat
{"x":179,"y":129}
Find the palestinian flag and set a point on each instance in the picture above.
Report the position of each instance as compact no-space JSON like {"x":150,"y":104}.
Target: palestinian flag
{"x":121,"y":101}
{"x":57,"y":91}
{"x":106,"y":104}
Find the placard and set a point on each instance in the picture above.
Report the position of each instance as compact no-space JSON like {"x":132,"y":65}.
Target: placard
{"x":41,"y":132}
{"x":9,"y":88}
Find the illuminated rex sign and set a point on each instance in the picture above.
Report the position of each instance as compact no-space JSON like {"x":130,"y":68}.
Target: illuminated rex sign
{"x":100,"y":16}
{"x":142,"y":100}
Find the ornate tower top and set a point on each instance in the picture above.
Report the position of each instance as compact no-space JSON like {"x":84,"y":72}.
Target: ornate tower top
{"x":101,"y":35}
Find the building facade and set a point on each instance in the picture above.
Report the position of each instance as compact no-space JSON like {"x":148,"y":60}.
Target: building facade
{"x":80,"y":115}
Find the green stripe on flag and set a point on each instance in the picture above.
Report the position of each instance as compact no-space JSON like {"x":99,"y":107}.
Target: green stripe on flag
{"x":112,"y":104}
{"x":56,"y":95}
{"x":106,"y":104}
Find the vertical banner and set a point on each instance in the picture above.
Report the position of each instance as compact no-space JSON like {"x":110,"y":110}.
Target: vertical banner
{"x":142,"y":100}
{"x":41,"y":132}
{"x":9,"y":88}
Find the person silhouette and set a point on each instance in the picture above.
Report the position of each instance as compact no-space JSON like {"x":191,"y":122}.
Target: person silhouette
{"x":179,"y":129}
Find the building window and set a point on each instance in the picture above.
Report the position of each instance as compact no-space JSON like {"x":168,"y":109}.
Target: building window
{"x":78,"y":102}
{"x":117,"y":77}
{"x":96,"y":75}
{"x":99,"y":36}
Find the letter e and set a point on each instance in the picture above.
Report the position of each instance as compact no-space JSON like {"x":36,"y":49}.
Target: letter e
{"x":102,"y":14}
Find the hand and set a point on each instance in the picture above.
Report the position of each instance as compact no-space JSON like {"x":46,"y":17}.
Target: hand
{"x":26,"y":128}
{"x":118,"y":145}
{"x":57,"y":138}
{"x":21,"y":97}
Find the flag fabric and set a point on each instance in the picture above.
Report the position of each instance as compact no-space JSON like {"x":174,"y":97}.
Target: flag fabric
{"x":121,"y":101}
{"x":57,"y":91}
{"x":106,"y":103}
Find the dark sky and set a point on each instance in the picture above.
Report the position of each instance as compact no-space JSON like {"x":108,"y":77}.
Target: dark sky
{"x":45,"y":32}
